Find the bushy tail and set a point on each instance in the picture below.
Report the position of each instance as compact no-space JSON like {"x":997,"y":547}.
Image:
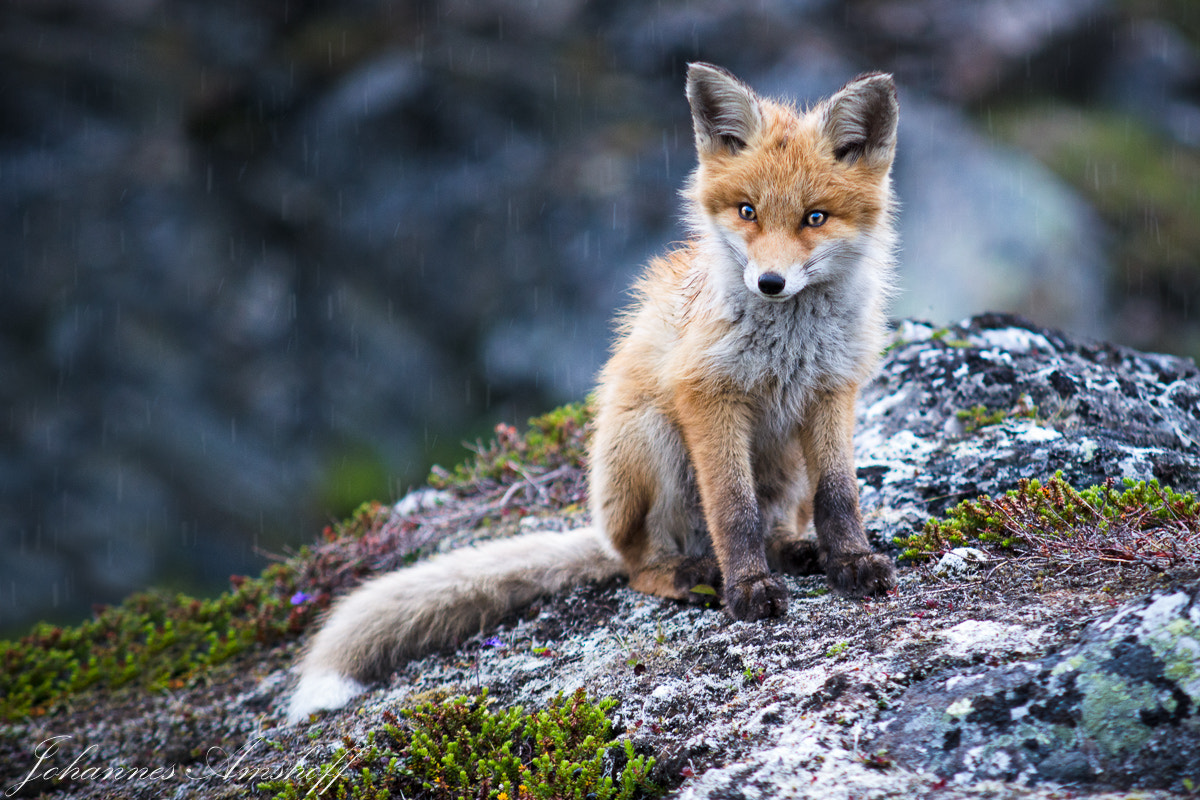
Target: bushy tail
{"x":414,"y":610}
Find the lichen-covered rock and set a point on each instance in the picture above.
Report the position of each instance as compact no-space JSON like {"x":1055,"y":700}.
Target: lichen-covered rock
{"x":1092,"y":410}
{"x":1122,"y":707}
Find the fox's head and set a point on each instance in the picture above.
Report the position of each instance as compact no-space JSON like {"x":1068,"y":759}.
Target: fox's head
{"x":793,"y":196}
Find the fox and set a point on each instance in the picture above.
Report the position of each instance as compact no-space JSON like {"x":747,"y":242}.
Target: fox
{"x":724,"y":416}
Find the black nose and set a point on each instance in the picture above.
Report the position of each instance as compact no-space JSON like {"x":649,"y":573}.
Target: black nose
{"x":771,"y":284}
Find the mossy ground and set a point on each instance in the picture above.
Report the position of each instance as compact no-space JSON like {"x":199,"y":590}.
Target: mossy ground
{"x":151,"y":642}
{"x":156,"y":645}
{"x":461,"y":747}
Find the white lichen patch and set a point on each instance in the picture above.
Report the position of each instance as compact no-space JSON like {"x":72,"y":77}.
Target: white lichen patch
{"x":900,"y":450}
{"x":1016,"y":340}
{"x":960,"y":708}
{"x":977,"y":636}
{"x":960,"y":562}
{"x":1137,"y":463}
{"x":420,"y":500}
{"x":1032,"y":433}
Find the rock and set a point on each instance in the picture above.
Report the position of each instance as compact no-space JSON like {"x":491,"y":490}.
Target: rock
{"x":973,"y":50}
{"x":1092,"y":411}
{"x":1046,"y":266}
{"x":1154,"y":53}
{"x":960,"y":562}
{"x":1120,"y":707}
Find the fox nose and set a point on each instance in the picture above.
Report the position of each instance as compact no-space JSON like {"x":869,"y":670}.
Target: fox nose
{"x":771,"y":284}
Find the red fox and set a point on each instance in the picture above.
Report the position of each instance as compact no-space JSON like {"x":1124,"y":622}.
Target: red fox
{"x":725,"y":415}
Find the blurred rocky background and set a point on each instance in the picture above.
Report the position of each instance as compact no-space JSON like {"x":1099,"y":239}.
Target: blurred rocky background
{"x":261,"y":260}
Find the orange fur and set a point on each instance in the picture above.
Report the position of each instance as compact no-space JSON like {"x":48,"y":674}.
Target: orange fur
{"x":725,"y":416}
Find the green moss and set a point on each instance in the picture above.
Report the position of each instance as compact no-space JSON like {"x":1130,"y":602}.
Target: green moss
{"x":943,"y":335}
{"x":462,"y":748}
{"x":151,"y":640}
{"x":157,"y":640}
{"x":552,"y":440}
{"x":979,"y":416}
{"x":1034,"y":513}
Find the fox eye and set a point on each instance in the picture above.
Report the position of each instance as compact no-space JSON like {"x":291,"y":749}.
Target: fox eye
{"x":815,"y":219}
{"x":747,"y":212}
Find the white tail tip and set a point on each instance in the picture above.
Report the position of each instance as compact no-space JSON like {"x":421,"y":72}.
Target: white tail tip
{"x":320,"y":691}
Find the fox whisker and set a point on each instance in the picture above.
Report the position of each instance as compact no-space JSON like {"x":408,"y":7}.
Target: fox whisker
{"x":834,"y":250}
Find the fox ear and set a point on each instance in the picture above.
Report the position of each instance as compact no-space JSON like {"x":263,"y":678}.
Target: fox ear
{"x":725,"y":112}
{"x":861,"y":120}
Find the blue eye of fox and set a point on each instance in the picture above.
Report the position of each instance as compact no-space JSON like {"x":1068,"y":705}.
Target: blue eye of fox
{"x":815,"y":219}
{"x":747,"y":212}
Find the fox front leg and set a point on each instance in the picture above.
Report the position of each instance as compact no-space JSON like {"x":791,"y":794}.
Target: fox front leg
{"x":851,"y":567}
{"x":717,"y":432}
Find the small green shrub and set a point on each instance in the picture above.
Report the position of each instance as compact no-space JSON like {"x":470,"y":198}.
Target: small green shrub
{"x":979,"y":416}
{"x":836,"y":650}
{"x":151,"y":640}
{"x":1142,"y":523}
{"x":552,"y":440}
{"x":943,"y":335}
{"x":461,"y":748}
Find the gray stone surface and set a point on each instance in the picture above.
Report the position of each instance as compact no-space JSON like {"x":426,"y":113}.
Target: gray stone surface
{"x":1097,"y":410}
{"x":1120,"y":706}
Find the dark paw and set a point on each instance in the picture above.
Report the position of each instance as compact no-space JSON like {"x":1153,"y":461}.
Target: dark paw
{"x":800,"y":557}
{"x":756,"y":597}
{"x":860,"y":574}
{"x":699,"y":580}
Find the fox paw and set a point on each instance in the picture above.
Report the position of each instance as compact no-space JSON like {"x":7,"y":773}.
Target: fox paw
{"x":756,"y":597}
{"x":698,"y":580}
{"x":859,"y":574}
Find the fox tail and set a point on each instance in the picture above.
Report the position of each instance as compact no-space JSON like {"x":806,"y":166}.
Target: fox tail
{"x":417,"y":609}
